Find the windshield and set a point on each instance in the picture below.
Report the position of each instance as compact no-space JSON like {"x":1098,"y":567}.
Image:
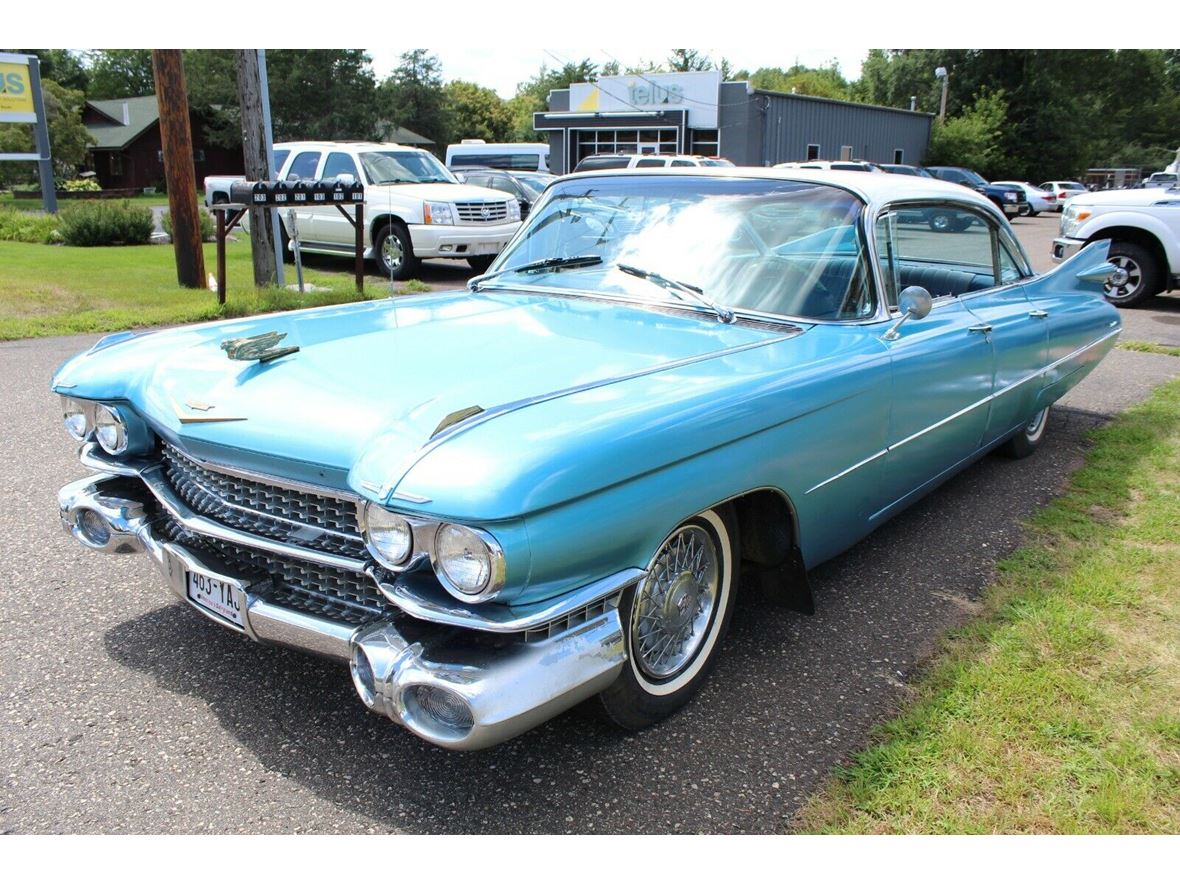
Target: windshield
{"x":765,"y":246}
{"x":403,"y":167}
{"x":973,"y":178}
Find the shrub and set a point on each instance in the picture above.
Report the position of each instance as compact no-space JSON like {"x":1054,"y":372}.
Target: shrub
{"x":79,"y":185}
{"x":207,"y":233}
{"x":28,"y":227}
{"x":104,"y":223}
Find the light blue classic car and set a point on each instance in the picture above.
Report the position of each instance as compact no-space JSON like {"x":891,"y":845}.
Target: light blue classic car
{"x":497,"y":503}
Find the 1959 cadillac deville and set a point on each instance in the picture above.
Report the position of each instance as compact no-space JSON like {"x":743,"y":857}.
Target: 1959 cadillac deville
{"x":499,"y":502}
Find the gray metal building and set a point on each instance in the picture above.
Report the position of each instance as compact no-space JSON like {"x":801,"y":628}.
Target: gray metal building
{"x":697,"y":113}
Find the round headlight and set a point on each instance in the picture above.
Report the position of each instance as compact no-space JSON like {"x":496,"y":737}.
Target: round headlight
{"x":468,"y":562}
{"x":76,"y":417}
{"x":387,"y":535}
{"x":110,"y":430}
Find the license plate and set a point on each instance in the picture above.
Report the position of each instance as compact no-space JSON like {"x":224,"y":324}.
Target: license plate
{"x":220,"y":597}
{"x":484,"y":249}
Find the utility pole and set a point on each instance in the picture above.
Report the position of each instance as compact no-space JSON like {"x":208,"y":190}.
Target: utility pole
{"x":257,"y":167}
{"x":177,"y":141}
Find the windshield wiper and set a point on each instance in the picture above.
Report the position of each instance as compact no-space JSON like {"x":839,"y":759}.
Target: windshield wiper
{"x":545,"y":264}
{"x":695,"y":292}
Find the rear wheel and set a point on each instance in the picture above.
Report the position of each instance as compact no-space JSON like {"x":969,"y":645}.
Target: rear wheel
{"x":674,"y":620}
{"x":1137,"y":278}
{"x":1029,"y":438}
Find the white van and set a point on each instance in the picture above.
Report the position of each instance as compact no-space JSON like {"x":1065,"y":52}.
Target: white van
{"x":533,"y":157}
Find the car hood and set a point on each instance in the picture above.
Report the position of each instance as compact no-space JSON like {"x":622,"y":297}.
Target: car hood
{"x":442,"y":192}
{"x":1135,"y":197}
{"x":373,"y":386}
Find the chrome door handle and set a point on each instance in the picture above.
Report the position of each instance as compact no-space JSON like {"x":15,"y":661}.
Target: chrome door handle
{"x":982,"y":327}
{"x":1038,"y":314}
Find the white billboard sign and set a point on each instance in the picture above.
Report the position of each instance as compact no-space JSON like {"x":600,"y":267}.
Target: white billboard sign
{"x":697,"y":92}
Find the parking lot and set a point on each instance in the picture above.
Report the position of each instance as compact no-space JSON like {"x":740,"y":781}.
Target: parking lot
{"x":123,"y":712}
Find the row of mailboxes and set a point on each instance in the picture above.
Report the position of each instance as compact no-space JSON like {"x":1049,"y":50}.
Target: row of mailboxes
{"x":302,"y":192}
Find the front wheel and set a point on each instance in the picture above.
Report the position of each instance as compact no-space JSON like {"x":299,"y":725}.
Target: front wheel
{"x":395,"y":252}
{"x":674,"y":619}
{"x":1136,"y":279}
{"x":1029,"y":438}
{"x":480,"y":263}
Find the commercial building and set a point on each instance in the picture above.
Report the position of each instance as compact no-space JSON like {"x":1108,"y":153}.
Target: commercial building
{"x":697,"y":113}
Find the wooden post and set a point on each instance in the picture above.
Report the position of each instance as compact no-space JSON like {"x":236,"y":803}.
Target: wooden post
{"x":257,"y":168}
{"x":179,"y":172}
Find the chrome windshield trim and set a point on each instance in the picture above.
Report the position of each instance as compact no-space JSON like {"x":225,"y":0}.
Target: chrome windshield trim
{"x":495,"y":618}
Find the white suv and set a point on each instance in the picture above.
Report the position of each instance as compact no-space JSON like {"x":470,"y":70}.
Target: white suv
{"x":414,"y":207}
{"x":1143,"y":226}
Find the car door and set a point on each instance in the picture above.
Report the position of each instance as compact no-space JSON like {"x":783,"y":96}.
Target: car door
{"x":942,"y":364}
{"x":304,"y":165}
{"x":1017,"y":328}
{"x":328,"y":225}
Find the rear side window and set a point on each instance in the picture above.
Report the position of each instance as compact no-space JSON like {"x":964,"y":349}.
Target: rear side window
{"x":280,"y":158}
{"x":648,"y":162}
{"x":591,"y":163}
{"x":339,"y":164}
{"x":304,"y":165}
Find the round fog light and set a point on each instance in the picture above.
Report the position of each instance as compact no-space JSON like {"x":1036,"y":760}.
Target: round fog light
{"x":439,"y":708}
{"x":388,"y":536}
{"x":95,"y":530}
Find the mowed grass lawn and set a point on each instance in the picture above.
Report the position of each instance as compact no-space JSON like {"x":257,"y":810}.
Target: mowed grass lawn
{"x":1058,"y":710}
{"x":65,"y":290}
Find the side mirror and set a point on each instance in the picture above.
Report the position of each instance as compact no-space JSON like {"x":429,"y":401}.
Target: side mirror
{"x":914,"y":301}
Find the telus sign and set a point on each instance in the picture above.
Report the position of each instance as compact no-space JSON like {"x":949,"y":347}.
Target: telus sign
{"x":694,"y":91}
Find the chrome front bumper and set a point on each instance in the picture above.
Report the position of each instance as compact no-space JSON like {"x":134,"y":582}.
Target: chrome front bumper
{"x":504,"y":684}
{"x":1065,"y":247}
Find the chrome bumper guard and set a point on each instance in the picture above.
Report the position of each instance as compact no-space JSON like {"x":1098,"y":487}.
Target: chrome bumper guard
{"x":457,"y":689}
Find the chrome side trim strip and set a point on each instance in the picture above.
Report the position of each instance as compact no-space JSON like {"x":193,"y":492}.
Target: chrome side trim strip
{"x":847,"y":471}
{"x":987,"y":399}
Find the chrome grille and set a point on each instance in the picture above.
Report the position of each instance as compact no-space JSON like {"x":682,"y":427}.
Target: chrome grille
{"x":335,"y":594}
{"x":477,"y":213}
{"x":305,"y":519}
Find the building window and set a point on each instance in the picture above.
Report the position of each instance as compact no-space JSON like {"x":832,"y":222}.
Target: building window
{"x":588,"y":142}
{"x":898,"y":157}
{"x":846,"y":152}
{"x":704,"y":142}
{"x":116,"y":165}
{"x":813,"y":152}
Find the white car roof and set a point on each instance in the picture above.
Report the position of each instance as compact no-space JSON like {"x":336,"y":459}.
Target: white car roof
{"x":356,"y":145}
{"x":869,"y":187}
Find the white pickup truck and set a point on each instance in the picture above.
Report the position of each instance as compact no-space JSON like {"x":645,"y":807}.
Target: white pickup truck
{"x":414,"y":207}
{"x":1143,"y":226}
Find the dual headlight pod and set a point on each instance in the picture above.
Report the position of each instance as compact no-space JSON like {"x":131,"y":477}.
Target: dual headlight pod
{"x":468,"y":562}
{"x":117,"y":429}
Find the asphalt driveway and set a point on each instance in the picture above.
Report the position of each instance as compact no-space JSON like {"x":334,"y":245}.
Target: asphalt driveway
{"x":121,"y":711}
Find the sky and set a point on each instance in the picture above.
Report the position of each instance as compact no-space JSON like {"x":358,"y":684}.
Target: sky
{"x":489,"y":65}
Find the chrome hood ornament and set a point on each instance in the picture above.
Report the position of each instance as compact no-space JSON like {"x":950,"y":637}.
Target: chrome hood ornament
{"x":263,"y":347}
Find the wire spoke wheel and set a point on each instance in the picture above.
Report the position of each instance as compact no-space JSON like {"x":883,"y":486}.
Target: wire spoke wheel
{"x":673,"y":620}
{"x":674,"y":605}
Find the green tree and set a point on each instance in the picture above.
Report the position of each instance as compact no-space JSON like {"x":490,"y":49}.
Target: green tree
{"x":532,"y":95}
{"x":476,"y":112}
{"x":825,"y":82}
{"x":119,"y":73}
{"x":412,"y":96}
{"x":328,"y":94}
{"x":689,"y":60}
{"x":974,"y":138}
